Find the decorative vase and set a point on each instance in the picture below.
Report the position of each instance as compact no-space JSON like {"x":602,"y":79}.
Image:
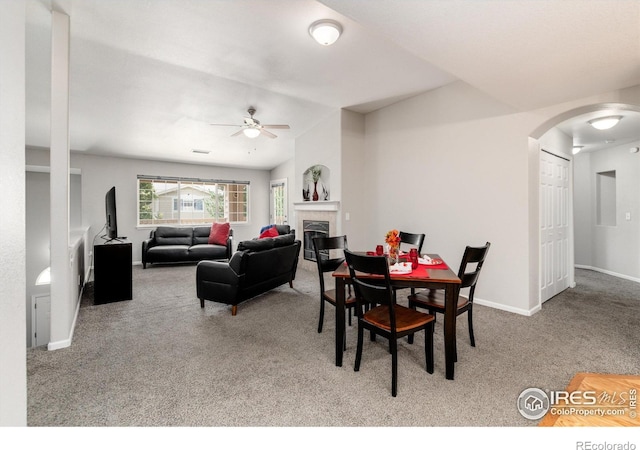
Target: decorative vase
{"x":393,"y":254}
{"x":315,"y":191}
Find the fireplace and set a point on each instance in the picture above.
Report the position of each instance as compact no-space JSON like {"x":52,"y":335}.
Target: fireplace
{"x":312,"y":229}
{"x":316,"y":213}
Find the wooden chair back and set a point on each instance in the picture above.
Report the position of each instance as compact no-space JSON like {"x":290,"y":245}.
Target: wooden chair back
{"x":371,"y":292}
{"x":412,"y":239}
{"x":470,"y":266}
{"x":322,"y":247}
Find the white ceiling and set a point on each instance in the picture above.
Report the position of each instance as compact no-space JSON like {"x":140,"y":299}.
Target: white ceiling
{"x":149,"y":76}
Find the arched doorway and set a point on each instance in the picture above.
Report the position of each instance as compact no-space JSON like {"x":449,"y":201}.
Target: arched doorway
{"x":582,"y":233}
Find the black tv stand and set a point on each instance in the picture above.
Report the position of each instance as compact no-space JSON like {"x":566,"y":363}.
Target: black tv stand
{"x":112,"y":272}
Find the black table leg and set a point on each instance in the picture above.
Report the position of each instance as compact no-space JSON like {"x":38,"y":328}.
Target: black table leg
{"x":451,"y":301}
{"x":340,"y":322}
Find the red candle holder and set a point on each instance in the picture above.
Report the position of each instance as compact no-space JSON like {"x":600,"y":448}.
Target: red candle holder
{"x":413,"y":257}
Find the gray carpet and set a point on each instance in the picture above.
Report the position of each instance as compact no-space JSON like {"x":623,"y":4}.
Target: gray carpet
{"x":161,"y":360}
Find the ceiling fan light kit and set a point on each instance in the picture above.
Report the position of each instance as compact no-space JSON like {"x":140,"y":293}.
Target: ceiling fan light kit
{"x":251,"y":132}
{"x":604,"y":123}
{"x":325,"y":31}
{"x":252,"y":128}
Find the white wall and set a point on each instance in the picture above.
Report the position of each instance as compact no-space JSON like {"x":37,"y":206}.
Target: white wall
{"x":287,"y":170}
{"x":557,"y":142}
{"x":460,"y":167}
{"x":582,"y":209}
{"x":613,"y":249}
{"x":453,"y":164}
{"x":320,"y":145}
{"x":37,"y":202}
{"x":99,"y":174}
{"x":13,"y":364}
{"x":356,"y":182}
{"x":38,"y":238}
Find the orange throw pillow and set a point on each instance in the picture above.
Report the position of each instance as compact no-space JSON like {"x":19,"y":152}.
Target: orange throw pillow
{"x":270,"y":232}
{"x":219,"y":233}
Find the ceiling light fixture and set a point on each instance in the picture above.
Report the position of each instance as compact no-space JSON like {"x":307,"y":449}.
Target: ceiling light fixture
{"x":325,"y":31}
{"x":577,"y":148}
{"x":604,"y":123}
{"x":251,"y":132}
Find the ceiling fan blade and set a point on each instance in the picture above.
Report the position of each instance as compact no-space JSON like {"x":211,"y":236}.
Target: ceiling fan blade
{"x":224,"y":125}
{"x":281,"y":127}
{"x":237,"y":133}
{"x":268,"y":134}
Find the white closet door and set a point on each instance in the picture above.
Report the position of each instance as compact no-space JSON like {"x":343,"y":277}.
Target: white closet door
{"x":554,"y":225}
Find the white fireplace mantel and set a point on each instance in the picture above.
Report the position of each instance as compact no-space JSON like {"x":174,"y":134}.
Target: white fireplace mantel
{"x":317,"y":206}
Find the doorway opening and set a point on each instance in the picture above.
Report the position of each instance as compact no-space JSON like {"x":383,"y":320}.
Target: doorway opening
{"x":590,"y":244}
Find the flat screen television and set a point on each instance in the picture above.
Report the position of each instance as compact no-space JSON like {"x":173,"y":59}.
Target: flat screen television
{"x":111,"y":224}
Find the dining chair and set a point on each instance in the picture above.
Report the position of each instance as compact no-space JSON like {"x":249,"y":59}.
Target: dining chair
{"x":469,"y":272}
{"x":412,"y":239}
{"x":377,"y":311}
{"x":322,"y":248}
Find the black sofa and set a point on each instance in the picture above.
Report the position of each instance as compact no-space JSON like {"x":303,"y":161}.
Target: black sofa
{"x":258,"y":266}
{"x":183,"y":244}
{"x":282,"y":229}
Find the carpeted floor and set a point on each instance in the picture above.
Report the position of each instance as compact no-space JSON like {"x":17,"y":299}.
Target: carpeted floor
{"x":161,"y":360}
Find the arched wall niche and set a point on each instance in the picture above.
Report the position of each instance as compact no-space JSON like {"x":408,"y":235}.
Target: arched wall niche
{"x":316,"y":180}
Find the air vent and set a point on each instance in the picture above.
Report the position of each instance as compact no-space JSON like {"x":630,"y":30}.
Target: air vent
{"x":202,"y":152}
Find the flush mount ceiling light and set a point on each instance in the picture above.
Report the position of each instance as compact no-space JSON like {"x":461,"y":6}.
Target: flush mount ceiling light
{"x":604,"y":123}
{"x":325,"y":31}
{"x":251,"y":132}
{"x":577,"y":148}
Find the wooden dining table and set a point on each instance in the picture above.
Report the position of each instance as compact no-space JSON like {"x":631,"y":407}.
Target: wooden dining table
{"x":422,"y":278}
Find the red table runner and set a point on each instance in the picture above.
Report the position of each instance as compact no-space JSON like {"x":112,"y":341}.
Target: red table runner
{"x":421,"y":272}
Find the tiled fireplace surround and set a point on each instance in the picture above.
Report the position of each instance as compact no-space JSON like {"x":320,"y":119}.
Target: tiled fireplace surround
{"x":317,"y":211}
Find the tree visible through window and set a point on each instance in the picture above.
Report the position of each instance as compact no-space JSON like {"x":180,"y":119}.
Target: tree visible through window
{"x":187,"y":201}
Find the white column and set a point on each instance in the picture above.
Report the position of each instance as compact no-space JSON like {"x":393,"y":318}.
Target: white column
{"x":13,"y":339}
{"x":61,"y":305}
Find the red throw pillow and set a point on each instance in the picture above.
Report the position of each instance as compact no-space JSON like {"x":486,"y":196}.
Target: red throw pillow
{"x":270,"y":232}
{"x":219,"y":233}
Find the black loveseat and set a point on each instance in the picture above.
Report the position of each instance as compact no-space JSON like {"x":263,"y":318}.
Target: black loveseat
{"x":258,"y":266}
{"x":183,"y":244}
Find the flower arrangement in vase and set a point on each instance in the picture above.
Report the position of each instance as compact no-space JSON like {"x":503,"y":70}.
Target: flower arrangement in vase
{"x":316,"y":173}
{"x":392,"y":239}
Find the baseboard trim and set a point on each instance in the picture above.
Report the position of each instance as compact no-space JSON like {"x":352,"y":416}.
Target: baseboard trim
{"x":511,"y":309}
{"x":59,"y":344}
{"x":608,"y":272}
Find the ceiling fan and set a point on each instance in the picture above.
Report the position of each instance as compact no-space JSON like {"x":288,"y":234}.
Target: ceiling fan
{"x":252,"y":128}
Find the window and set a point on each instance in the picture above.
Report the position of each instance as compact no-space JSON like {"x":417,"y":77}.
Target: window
{"x":188,"y":204}
{"x":186,"y":201}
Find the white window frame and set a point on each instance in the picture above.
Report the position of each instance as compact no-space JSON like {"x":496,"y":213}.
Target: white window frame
{"x":176,"y":217}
